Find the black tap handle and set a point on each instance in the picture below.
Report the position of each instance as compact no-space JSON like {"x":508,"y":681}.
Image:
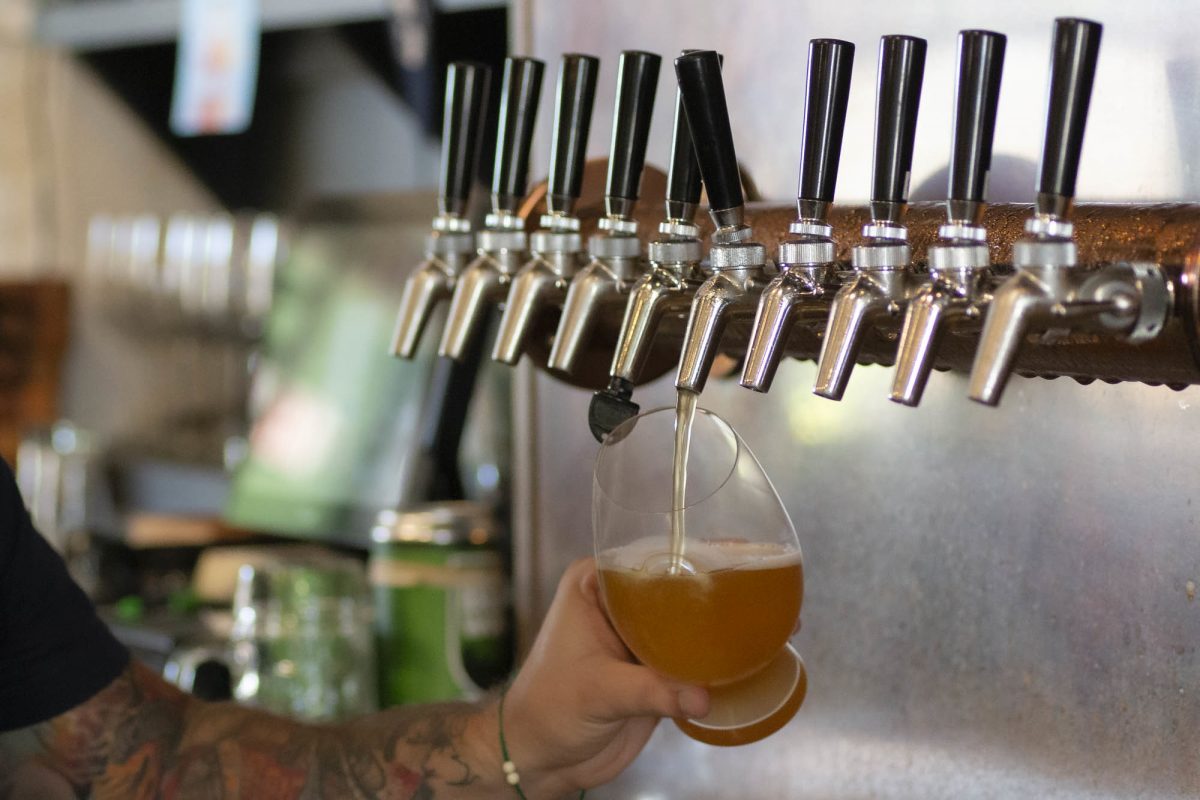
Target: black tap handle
{"x":683,"y":177}
{"x":830,"y":62}
{"x":980,"y":65}
{"x":637,"y":81}
{"x":703,"y":94}
{"x":1072,"y":72}
{"x":572,"y":121}
{"x":901,"y":70}
{"x":518,"y":111}
{"x":462,"y":122}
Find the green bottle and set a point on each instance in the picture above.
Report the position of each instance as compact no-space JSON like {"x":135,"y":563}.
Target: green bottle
{"x":442,"y":604}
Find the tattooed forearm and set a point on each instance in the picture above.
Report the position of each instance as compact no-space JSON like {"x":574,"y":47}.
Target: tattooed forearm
{"x":142,"y":738}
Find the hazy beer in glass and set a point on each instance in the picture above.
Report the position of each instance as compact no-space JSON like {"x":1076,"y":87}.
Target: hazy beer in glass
{"x":720,"y":613}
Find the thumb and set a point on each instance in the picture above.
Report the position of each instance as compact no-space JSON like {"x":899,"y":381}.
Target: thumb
{"x":630,"y":690}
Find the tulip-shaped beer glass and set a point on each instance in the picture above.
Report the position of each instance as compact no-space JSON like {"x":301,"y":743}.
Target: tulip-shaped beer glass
{"x":718,"y":609}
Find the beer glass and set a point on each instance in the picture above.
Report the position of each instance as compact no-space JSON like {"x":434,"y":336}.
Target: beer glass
{"x":718,"y":611}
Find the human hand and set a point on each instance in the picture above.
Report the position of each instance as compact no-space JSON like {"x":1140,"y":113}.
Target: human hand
{"x":581,"y":707}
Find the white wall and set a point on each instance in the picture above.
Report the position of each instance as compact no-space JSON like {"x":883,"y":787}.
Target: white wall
{"x":1147,"y":87}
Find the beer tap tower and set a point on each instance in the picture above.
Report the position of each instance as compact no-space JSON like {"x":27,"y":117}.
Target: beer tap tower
{"x":541,"y":284}
{"x":883,"y":280}
{"x":662,"y":294}
{"x":616,"y":252}
{"x":738,"y":266}
{"x":1050,"y":292}
{"x":960,"y":275}
{"x":1126,"y":278}
{"x":502,"y":243}
{"x":807,"y":277}
{"x":451,"y":242}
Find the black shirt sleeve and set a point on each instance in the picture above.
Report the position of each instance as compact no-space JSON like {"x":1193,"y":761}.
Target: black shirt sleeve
{"x":55,"y":653}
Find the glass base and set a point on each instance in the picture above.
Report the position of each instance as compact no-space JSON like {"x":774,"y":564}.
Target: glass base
{"x":755,"y":707}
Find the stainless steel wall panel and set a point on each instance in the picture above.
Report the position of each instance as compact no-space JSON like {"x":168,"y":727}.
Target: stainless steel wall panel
{"x":1001,"y":602}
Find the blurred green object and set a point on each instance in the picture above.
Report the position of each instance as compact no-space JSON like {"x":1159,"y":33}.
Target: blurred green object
{"x":301,"y":639}
{"x":129,"y":608}
{"x":441,"y":603}
{"x":327,"y":386}
{"x":183,"y":601}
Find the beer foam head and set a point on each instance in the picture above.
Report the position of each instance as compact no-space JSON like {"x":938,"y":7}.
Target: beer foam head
{"x":653,"y":554}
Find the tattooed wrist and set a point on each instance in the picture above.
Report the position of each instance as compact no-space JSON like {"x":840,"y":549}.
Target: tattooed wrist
{"x":141,"y":737}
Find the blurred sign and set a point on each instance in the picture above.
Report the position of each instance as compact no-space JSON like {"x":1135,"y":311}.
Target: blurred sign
{"x":216,"y":68}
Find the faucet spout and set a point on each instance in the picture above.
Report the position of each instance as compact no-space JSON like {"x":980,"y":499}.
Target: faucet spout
{"x":919,"y":340}
{"x":786,"y":299}
{"x":868,"y":296}
{"x":712,"y":308}
{"x":423,"y":290}
{"x":1014,"y":306}
{"x":479,"y":282}
{"x":533,"y":289}
{"x":593,"y":288}
{"x":653,"y":297}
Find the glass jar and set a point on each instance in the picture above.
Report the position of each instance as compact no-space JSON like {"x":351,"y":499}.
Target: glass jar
{"x":301,"y":641}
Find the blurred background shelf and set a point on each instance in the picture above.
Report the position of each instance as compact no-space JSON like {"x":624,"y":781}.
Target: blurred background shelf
{"x":107,"y":24}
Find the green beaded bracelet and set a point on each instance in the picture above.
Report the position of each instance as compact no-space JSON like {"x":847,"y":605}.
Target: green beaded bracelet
{"x":510,"y":769}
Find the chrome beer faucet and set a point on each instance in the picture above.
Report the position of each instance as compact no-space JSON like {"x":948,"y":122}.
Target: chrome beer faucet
{"x":1051,"y":293}
{"x":502,"y":243}
{"x":737,"y":266}
{"x":451,"y":243}
{"x":616,"y":253}
{"x":665,"y":292}
{"x":883,"y":278}
{"x":541,"y":284}
{"x":807,"y":276}
{"x":960,"y":277}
